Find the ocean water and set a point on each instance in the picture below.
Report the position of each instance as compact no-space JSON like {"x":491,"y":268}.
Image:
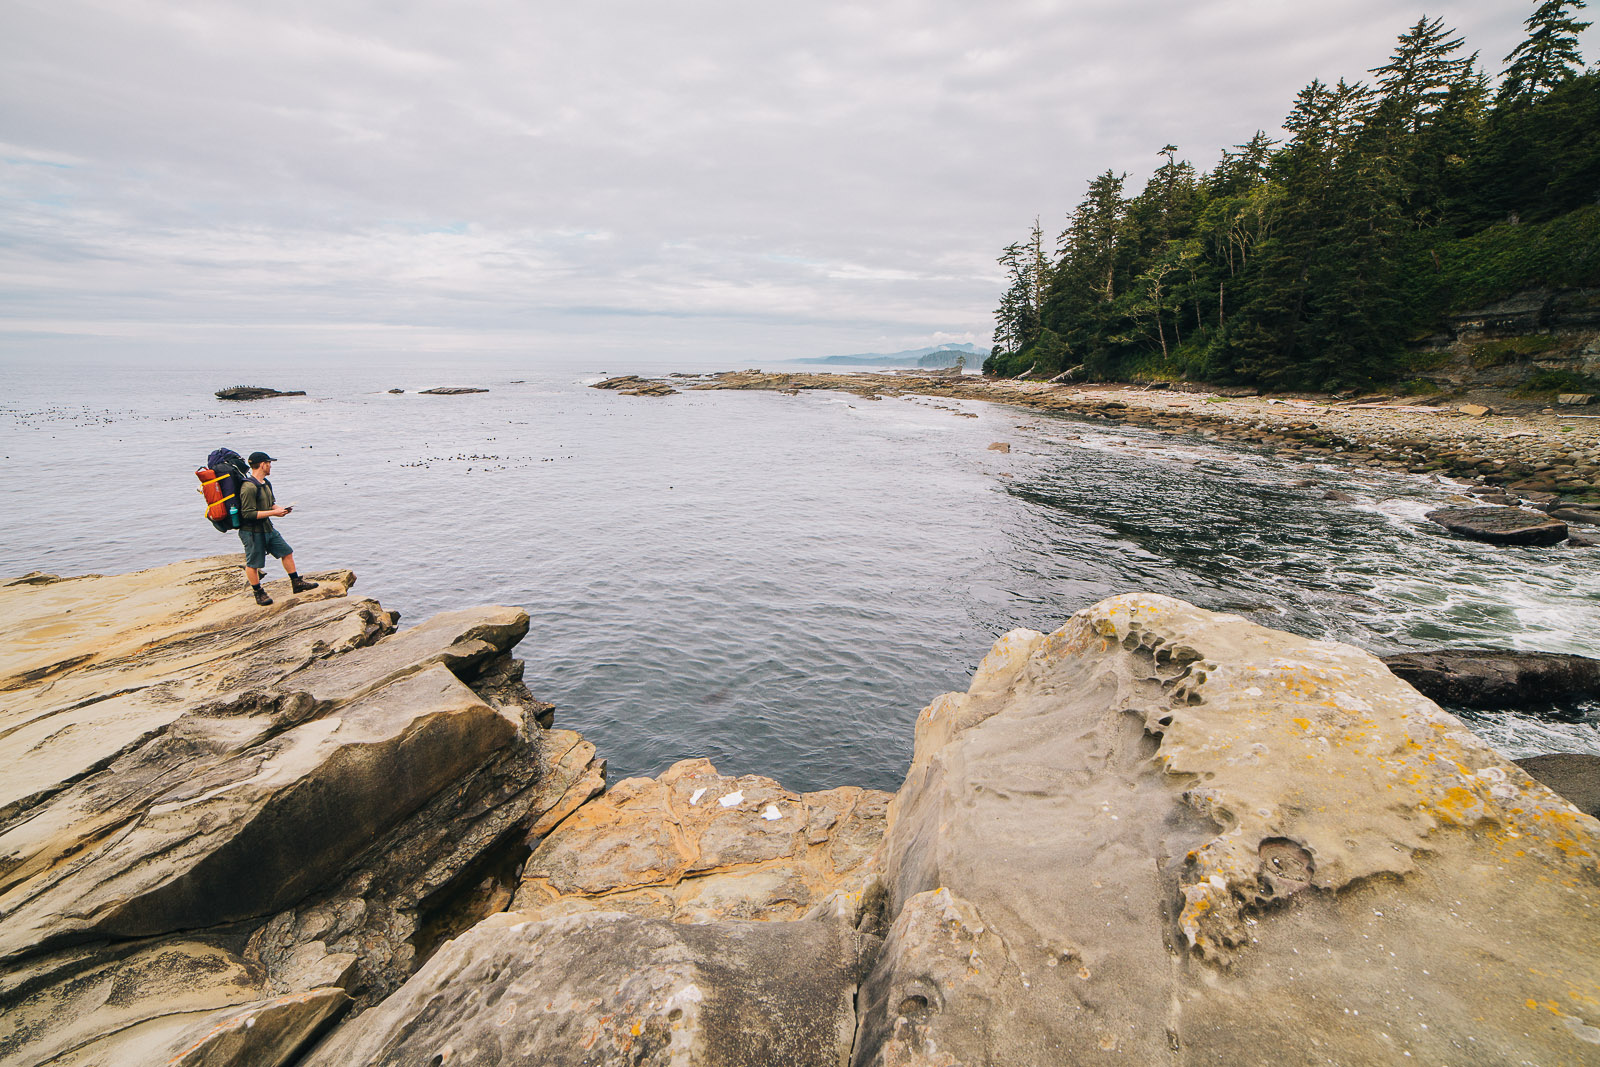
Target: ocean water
{"x":778,"y":583}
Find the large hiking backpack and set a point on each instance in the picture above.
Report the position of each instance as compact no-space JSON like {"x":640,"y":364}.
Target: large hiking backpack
{"x":220,"y":481}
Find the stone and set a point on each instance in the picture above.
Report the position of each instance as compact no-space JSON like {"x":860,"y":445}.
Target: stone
{"x":633,"y":385}
{"x":1574,"y":775}
{"x":450,"y":390}
{"x":1161,"y":833}
{"x":695,"y":846}
{"x":1583,"y":540}
{"x":253,"y":833}
{"x":397,"y":390}
{"x":1575,"y":399}
{"x":1502,"y":525}
{"x":1498,"y":678}
{"x":605,"y":988}
{"x":175,"y":1001}
{"x":1475,"y":410}
{"x":254,"y":392}
{"x":1000,"y":446}
{"x":1585,"y":516}
{"x":279,"y":812}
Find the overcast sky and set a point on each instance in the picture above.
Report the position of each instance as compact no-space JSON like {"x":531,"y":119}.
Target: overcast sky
{"x":707,"y":179}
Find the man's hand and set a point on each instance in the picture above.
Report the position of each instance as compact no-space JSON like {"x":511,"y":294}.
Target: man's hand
{"x":278,"y":513}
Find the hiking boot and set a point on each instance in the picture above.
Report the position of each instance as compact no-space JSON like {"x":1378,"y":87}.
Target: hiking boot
{"x":300,"y":585}
{"x":261,"y":596}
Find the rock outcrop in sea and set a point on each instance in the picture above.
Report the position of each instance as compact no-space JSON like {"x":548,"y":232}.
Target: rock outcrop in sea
{"x":1157,"y":835}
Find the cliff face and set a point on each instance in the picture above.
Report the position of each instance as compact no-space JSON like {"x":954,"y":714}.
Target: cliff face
{"x":1157,"y":835}
{"x":1511,"y":343}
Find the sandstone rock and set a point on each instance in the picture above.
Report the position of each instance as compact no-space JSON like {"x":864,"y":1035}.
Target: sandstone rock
{"x":1586,"y":516}
{"x":1575,"y":399}
{"x":1164,"y":835}
{"x":1498,"y":678}
{"x":695,"y":845}
{"x":176,"y":1001}
{"x":257,"y":831}
{"x":1000,"y":446}
{"x":605,"y":988}
{"x":188,"y":765}
{"x":1583,"y":540}
{"x":1476,"y":410}
{"x":450,"y":390}
{"x":1502,"y":525}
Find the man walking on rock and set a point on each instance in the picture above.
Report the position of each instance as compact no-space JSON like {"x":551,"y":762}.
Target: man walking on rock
{"x":256,"y":512}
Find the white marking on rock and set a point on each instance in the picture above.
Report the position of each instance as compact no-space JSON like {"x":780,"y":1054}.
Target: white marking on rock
{"x":732,"y":798}
{"x":771,"y":813}
{"x":694,"y":798}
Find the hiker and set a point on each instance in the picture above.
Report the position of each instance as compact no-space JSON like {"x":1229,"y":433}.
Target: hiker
{"x":256,"y":512}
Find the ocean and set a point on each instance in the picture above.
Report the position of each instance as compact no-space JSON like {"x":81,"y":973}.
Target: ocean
{"x":776,"y":582}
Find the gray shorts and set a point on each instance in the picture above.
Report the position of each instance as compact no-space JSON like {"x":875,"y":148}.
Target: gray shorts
{"x":258,"y":542}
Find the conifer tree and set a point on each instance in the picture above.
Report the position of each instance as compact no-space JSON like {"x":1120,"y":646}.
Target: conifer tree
{"x":1548,"y":57}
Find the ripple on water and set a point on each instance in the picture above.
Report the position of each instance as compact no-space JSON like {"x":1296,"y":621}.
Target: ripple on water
{"x":779,"y":583}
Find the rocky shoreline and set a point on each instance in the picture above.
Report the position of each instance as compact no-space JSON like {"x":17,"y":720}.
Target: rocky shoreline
{"x":1530,"y":451}
{"x":302,"y":836}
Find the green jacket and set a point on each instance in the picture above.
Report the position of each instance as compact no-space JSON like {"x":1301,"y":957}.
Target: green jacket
{"x":255,"y":496}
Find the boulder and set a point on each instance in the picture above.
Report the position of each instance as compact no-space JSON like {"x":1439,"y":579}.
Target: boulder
{"x":606,"y":988}
{"x":1575,"y":775}
{"x":1583,"y":516}
{"x":1575,"y":399}
{"x":1165,"y":835}
{"x":695,"y":845}
{"x":296,"y":797}
{"x":1502,"y":525}
{"x":1000,"y":446}
{"x":1498,"y":678}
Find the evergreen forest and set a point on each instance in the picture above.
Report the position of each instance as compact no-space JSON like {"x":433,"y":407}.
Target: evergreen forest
{"x":1317,"y":260}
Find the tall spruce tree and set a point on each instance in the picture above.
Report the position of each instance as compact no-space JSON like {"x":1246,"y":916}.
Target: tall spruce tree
{"x":1548,"y":57}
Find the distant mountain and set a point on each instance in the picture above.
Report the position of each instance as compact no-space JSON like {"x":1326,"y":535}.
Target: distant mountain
{"x":935,"y":356}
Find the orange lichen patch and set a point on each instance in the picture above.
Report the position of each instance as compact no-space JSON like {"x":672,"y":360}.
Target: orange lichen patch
{"x":1303,"y":723}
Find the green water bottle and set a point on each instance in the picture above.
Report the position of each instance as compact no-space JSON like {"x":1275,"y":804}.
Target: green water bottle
{"x":233,"y":515}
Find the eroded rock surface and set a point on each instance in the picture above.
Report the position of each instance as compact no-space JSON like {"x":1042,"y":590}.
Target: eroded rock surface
{"x":225,"y":825}
{"x":695,"y":846}
{"x":599,"y":988}
{"x":1162,"y":835}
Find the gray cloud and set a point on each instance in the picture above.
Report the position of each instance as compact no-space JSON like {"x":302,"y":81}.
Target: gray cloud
{"x":604,"y":178}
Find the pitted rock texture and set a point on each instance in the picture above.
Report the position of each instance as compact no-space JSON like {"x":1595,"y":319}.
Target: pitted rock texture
{"x":229,"y":824}
{"x":604,"y":988}
{"x":695,"y":846}
{"x":1163,"y":835}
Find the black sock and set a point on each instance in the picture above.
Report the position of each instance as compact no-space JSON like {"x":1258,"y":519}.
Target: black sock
{"x":294,"y":576}
{"x":256,"y":587}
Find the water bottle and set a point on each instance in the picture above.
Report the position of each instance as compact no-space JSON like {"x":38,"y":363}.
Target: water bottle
{"x":233,"y":515}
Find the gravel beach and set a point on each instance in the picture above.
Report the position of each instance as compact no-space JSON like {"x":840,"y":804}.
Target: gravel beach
{"x":1543,"y":452}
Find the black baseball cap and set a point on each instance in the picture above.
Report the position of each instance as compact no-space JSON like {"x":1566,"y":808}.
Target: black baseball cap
{"x":258,"y":458}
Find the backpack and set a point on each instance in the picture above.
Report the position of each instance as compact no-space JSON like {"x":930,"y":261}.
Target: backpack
{"x":220,"y":481}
